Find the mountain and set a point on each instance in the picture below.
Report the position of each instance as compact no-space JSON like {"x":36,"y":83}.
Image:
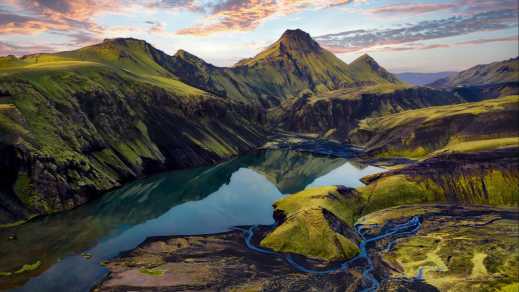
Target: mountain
{"x":78,"y":123}
{"x":493,"y":73}
{"x":297,"y":62}
{"x":367,"y":71}
{"x":334,"y":114}
{"x":75,"y":124}
{"x":423,"y":78}
{"x":291,"y":65}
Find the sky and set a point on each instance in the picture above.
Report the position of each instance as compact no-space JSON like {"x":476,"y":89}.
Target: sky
{"x":403,"y":36}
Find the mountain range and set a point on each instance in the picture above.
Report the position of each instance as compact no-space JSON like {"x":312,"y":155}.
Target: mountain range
{"x":75,"y":124}
{"x":494,"y":73}
{"x":423,"y":78}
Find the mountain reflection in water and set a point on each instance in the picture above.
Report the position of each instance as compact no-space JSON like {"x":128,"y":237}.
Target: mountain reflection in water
{"x":195,"y":201}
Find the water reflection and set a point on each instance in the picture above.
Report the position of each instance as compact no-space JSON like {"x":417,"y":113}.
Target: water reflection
{"x":201,"y":200}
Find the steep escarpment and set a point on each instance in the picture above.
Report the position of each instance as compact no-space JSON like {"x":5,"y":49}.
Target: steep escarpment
{"x":464,"y":127}
{"x":336,"y":113}
{"x":485,"y":177}
{"x":73,"y":130}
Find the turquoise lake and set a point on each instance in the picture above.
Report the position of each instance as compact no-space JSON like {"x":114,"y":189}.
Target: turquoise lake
{"x":194,"y":201}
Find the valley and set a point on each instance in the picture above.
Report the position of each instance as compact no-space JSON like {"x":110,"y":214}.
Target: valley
{"x":125,"y":168}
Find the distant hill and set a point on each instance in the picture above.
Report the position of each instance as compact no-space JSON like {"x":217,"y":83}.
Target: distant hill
{"x":493,"y":73}
{"x":423,"y":78}
{"x":367,"y":71}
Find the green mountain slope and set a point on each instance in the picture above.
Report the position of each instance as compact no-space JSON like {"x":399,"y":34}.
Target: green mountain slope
{"x":293,"y":64}
{"x":77,"y":123}
{"x":366,"y":70}
{"x":464,"y":127}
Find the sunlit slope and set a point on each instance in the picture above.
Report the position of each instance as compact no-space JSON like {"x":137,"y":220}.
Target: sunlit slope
{"x":366,"y":70}
{"x":129,"y":58}
{"x":308,"y":222}
{"x":464,"y":127}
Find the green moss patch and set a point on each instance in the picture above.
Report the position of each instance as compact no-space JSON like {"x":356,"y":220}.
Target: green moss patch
{"x":157,"y":271}
{"x":307,"y":231}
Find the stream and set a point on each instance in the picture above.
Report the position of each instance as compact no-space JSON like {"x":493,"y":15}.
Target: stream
{"x":408,"y":228}
{"x":68,"y":248}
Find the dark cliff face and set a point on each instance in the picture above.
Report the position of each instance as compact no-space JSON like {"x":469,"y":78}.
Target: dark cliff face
{"x":336,"y":117}
{"x":60,"y":153}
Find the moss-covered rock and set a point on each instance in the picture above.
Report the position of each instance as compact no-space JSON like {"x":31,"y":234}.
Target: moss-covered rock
{"x":316,"y":223}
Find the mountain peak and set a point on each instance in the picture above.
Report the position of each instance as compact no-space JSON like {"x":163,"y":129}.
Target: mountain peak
{"x":365,"y":68}
{"x":297,"y":39}
{"x":365,"y":58}
{"x":188,"y":57}
{"x":124,"y":41}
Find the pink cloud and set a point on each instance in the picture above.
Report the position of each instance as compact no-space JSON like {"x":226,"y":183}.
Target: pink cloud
{"x":412,"y":8}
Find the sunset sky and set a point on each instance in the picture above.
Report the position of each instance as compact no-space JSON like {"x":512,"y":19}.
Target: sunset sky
{"x":418,"y":36}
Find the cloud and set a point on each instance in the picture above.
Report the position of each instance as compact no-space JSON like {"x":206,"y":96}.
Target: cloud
{"x":156,"y":27}
{"x":70,"y":18}
{"x":478,"y":6}
{"x":415,"y":46}
{"x":234,"y":15}
{"x":411,"y":8}
{"x":489,"y":40}
{"x":244,"y":15}
{"x":458,"y":7}
{"x":11,"y":49}
{"x":355,"y":40}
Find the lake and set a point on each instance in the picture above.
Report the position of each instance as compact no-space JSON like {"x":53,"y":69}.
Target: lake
{"x":71,"y":246}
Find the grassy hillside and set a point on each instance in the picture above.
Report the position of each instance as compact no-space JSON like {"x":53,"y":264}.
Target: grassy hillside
{"x":366,"y":70}
{"x":292,"y":65}
{"x":483,"y":177}
{"x":464,"y":127}
{"x":306,"y":224}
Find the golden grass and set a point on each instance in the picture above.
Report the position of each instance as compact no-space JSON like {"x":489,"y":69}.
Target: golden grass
{"x":7,"y":106}
{"x":479,"y":145}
